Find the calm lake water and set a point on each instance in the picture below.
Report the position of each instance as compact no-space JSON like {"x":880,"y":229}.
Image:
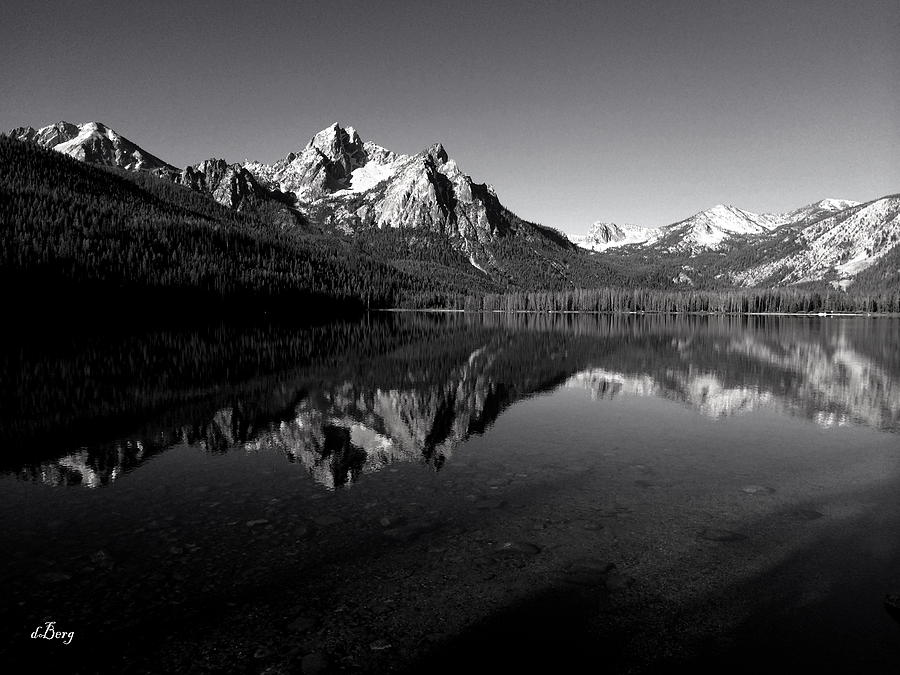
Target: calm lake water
{"x":436,"y":492}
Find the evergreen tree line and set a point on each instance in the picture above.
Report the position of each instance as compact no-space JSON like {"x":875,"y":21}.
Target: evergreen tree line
{"x":736,"y":301}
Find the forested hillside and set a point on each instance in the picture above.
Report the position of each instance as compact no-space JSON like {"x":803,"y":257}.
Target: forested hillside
{"x":75,"y":233}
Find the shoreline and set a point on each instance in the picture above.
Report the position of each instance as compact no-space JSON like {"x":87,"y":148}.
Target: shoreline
{"x":823,"y":315}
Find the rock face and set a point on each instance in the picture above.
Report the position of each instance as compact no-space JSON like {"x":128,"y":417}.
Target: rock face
{"x":323,"y":167}
{"x":345,"y":183}
{"x":229,"y":184}
{"x":602,"y":236}
{"x":92,"y":142}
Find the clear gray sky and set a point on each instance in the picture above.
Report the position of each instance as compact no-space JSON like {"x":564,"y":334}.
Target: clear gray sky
{"x":628,"y":111}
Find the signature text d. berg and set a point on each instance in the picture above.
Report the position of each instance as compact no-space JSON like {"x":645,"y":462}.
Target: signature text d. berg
{"x":49,"y":632}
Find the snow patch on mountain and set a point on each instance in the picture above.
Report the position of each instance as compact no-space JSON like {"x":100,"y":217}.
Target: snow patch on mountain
{"x":352,"y":185}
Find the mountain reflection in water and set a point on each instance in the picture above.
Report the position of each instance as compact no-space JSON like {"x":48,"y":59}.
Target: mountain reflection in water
{"x":346,"y":400}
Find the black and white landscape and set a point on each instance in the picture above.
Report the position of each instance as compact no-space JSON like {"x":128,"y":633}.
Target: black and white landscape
{"x":381,"y":399}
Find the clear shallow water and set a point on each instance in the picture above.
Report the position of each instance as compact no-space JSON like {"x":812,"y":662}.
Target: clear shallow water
{"x":437,"y":490}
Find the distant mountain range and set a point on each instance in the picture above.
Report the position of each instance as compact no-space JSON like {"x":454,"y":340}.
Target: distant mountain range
{"x":831,"y":240}
{"x":337,"y":183}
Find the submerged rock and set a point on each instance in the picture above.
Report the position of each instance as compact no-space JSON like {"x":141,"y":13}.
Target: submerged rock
{"x":517,"y":547}
{"x":391,"y":521}
{"x":588,"y":572}
{"x":757,"y":490}
{"x":715,"y":534}
{"x":489,"y":504}
{"x":412,"y":530}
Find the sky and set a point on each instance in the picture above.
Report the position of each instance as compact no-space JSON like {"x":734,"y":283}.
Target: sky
{"x":630,"y":112}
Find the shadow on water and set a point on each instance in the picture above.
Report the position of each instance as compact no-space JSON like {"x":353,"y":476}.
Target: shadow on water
{"x":819,"y":609}
{"x":552,"y":630}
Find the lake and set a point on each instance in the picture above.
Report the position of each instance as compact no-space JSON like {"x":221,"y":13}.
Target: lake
{"x":443,"y":492}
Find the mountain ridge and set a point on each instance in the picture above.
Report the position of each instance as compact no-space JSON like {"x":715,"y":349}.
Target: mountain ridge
{"x":340,"y":184}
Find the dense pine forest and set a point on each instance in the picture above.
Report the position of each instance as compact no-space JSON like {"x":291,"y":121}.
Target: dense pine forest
{"x":79,"y":239}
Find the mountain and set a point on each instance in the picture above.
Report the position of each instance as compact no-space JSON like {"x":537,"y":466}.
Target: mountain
{"x":816,"y":211}
{"x":707,"y":230}
{"x":602,"y":236}
{"x":78,"y":236}
{"x":834,"y":249}
{"x":424,"y":216}
{"x":828,"y":241}
{"x":352,"y":186}
{"x":710,"y":228}
{"x":419,"y":212}
{"x":92,"y":142}
{"x":229,"y":184}
{"x":233,"y":186}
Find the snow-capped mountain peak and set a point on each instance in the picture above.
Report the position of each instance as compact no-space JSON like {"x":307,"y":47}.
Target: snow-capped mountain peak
{"x":835,"y":204}
{"x":92,"y":142}
{"x":833,"y":247}
{"x":709,"y":229}
{"x":730,"y":219}
{"x":360,"y":185}
{"x":818,"y":210}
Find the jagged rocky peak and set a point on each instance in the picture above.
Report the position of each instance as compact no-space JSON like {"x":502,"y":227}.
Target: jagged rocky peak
{"x":92,"y":142}
{"x":342,"y":147}
{"x":205,"y":175}
{"x":603,"y":235}
{"x":231,"y":185}
{"x":48,"y":136}
{"x":438,"y":153}
{"x":324,"y":166}
{"x":606,"y":232}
